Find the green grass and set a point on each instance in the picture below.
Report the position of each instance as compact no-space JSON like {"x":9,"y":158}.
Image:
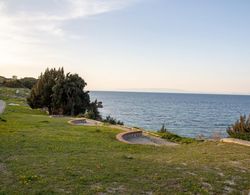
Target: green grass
{"x":14,"y":95}
{"x":176,"y":138}
{"x":43,"y":155}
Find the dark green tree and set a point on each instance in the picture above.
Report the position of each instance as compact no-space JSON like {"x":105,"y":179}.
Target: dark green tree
{"x":62,"y":94}
{"x":42,"y":91}
{"x":69,"y":96}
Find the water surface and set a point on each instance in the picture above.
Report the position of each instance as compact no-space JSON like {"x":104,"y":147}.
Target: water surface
{"x":185,"y":114}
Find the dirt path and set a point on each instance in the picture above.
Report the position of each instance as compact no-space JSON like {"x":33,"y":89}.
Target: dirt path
{"x":2,"y":106}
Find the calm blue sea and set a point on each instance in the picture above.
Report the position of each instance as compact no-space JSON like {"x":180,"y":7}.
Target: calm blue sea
{"x":185,"y":114}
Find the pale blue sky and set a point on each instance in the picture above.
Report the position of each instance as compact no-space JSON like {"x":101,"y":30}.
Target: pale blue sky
{"x":138,"y":45}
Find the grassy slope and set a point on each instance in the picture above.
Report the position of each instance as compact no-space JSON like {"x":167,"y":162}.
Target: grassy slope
{"x":46,"y":155}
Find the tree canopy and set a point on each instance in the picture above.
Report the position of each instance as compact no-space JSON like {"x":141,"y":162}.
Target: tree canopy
{"x":61,"y":94}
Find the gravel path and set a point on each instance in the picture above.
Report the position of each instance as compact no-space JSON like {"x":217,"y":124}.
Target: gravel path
{"x":2,"y":106}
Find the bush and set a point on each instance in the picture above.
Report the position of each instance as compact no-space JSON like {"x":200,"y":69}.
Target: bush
{"x":112,"y":121}
{"x":28,"y":82}
{"x":163,"y":129}
{"x":93,"y":112}
{"x":13,"y":84}
{"x":90,"y":115}
{"x":240,"y":129}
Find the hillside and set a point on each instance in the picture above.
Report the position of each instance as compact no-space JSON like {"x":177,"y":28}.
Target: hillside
{"x":43,"y":155}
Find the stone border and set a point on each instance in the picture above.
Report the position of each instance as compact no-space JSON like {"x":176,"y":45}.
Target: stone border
{"x":128,"y":132}
{"x":122,"y":136}
{"x":89,"y":122}
{"x":236,"y":141}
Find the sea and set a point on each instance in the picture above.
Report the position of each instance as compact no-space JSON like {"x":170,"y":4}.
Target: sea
{"x":190,"y":115}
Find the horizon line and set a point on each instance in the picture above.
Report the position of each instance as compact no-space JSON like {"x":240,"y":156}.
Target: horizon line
{"x":172,"y":92}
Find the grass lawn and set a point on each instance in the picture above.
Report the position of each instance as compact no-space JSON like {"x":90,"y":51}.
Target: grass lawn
{"x":42,"y":155}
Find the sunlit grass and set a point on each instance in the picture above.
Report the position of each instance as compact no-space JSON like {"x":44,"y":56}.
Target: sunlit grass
{"x":39,"y":154}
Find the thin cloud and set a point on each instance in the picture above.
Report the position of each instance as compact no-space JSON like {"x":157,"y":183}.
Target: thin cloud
{"x":29,"y":28}
{"x":51,"y":17}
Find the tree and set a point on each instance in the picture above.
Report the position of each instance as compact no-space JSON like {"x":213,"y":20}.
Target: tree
{"x":61,"y":94}
{"x":42,"y":91}
{"x":69,"y":96}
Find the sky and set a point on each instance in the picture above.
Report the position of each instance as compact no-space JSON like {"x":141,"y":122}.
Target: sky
{"x":200,"y":46}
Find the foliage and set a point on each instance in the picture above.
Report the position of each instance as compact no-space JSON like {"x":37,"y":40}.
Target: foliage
{"x":26,"y":82}
{"x":60,"y":93}
{"x":69,"y":97}
{"x":240,"y":129}
{"x":13,"y":84}
{"x":42,"y":92}
{"x":163,"y":129}
{"x":93,"y":112}
{"x":112,"y":121}
{"x":165,"y":134}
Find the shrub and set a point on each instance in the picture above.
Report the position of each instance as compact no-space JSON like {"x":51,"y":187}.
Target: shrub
{"x":240,"y":129}
{"x":13,"y":84}
{"x":112,"y":121}
{"x":93,"y":112}
{"x":28,"y":82}
{"x":163,"y":129}
{"x":90,"y":115}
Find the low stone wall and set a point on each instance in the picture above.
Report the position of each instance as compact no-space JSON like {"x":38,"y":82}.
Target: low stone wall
{"x":236,"y":141}
{"x":122,"y":137}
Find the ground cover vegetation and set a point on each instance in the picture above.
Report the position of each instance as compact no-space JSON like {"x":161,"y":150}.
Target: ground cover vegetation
{"x":44,"y":155}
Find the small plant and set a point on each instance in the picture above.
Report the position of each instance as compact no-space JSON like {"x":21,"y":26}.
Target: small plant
{"x":163,"y":129}
{"x":240,"y":129}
